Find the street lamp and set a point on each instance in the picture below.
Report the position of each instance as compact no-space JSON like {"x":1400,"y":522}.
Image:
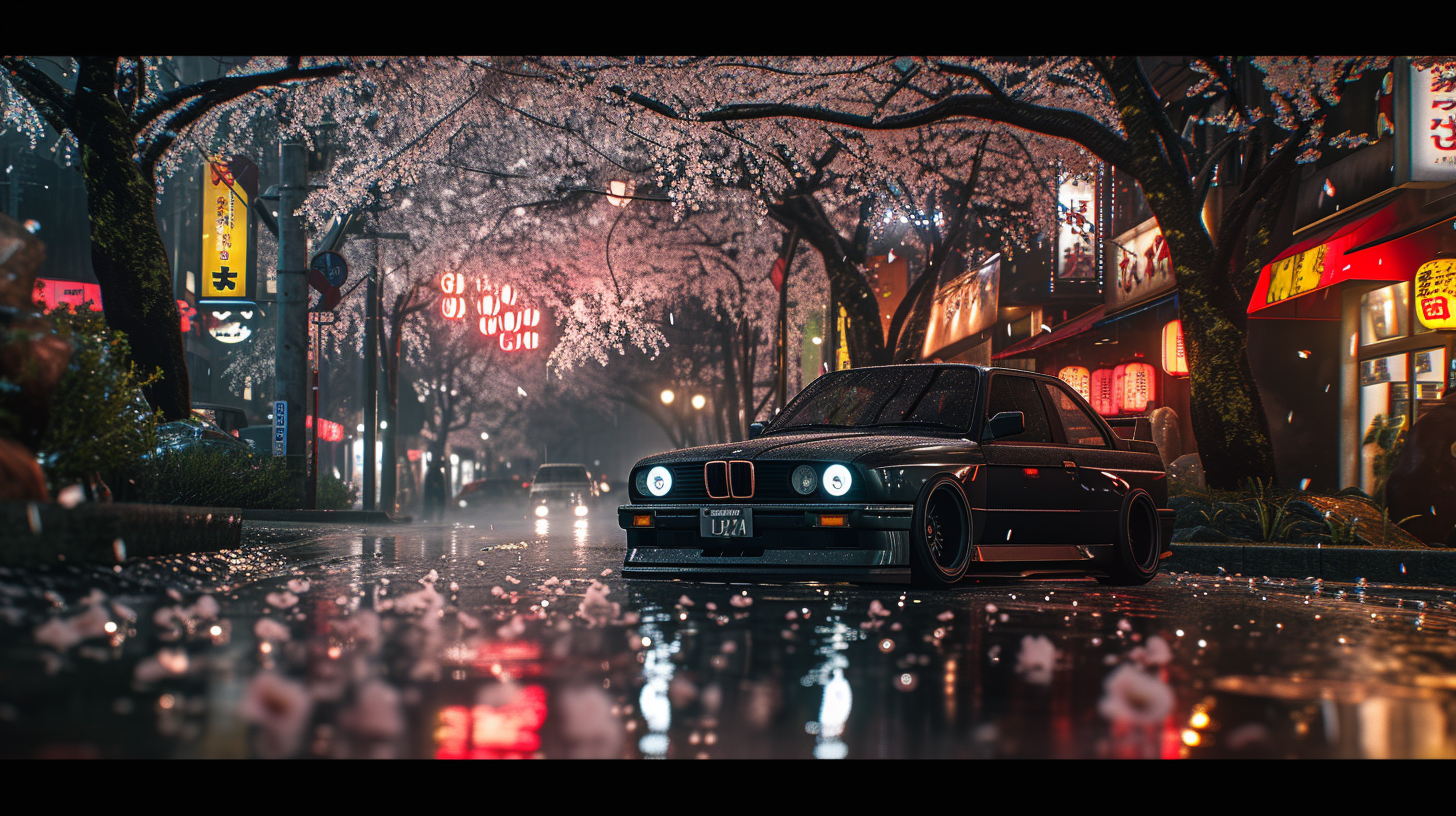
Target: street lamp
{"x":484,"y":435}
{"x":699,"y":401}
{"x":667,"y":396}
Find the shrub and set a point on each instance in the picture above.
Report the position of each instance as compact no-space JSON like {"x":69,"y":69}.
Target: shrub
{"x":99,"y":420}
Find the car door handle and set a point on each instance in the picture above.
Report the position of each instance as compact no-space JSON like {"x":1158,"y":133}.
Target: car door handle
{"x":1069,"y":465}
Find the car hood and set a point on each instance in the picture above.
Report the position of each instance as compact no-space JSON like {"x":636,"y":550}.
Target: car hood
{"x":870,"y":448}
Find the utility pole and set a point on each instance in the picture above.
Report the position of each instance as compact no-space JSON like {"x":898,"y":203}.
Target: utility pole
{"x":371,"y":379}
{"x":291,"y":353}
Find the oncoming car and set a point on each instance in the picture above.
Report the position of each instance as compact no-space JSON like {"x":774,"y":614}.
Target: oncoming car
{"x":909,"y":473}
{"x":562,"y":488}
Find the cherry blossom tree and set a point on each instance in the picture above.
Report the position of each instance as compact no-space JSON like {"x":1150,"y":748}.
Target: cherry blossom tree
{"x":1268,"y":115}
{"x":127,"y":120}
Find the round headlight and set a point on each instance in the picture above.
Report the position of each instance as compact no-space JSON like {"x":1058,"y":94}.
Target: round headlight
{"x":659,"y":481}
{"x":804,"y":480}
{"x":837,"y":480}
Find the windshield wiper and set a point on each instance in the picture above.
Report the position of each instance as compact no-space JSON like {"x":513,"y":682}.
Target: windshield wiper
{"x":812,"y":425}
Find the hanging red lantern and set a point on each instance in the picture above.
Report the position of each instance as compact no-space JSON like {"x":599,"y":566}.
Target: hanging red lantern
{"x":1079,"y":378}
{"x":1138,"y":383}
{"x":453,"y":307}
{"x":530,"y":340}
{"x":510,"y":341}
{"x":530,"y":317}
{"x":508,"y":295}
{"x":1175,"y":361}
{"x":1105,"y":398}
{"x":452,"y":283}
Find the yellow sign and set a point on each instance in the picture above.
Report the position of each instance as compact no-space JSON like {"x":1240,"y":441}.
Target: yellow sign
{"x":841,"y":357}
{"x":1436,"y":294}
{"x":1296,"y":275}
{"x":224,"y":236}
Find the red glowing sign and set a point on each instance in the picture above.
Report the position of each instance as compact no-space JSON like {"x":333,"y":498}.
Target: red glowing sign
{"x":492,"y":732}
{"x":328,"y":431}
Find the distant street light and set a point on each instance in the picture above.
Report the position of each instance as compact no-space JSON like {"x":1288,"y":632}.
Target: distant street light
{"x":667,"y":396}
{"x":484,"y":435}
{"x":699,"y":401}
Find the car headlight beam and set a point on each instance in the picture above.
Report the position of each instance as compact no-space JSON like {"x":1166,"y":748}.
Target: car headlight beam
{"x":837,"y":480}
{"x":659,"y":481}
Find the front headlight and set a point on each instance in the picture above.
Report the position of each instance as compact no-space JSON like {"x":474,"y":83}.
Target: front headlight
{"x":659,"y":481}
{"x":581,"y":510}
{"x":837,"y":480}
{"x":542,"y":510}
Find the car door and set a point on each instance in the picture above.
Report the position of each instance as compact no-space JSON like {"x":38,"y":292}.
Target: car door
{"x":1028,"y":495}
{"x":1095,"y":493}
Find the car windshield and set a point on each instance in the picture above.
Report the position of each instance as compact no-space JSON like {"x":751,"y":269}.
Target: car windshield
{"x":561,"y":473}
{"x":920,"y":395}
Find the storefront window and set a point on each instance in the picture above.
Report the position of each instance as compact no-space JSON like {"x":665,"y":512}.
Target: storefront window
{"x":1430,"y":368}
{"x":1384,"y":314}
{"x":1384,"y":418}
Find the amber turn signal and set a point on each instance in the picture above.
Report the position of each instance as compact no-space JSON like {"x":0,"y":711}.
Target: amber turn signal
{"x":642,"y":521}
{"x":834,"y":521}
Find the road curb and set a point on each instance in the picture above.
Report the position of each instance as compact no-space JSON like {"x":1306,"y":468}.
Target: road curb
{"x":33,"y":533}
{"x":326,"y":516}
{"x":1330,"y":563}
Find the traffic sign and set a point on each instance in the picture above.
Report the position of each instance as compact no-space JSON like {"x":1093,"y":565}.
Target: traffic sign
{"x":326,"y":273}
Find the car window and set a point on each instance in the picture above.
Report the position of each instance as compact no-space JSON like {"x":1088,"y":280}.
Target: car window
{"x":929,"y":395}
{"x":1011,"y":393}
{"x":550,"y":475}
{"x":1076,"y":423}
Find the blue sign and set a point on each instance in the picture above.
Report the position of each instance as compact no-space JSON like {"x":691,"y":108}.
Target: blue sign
{"x":280,"y":428}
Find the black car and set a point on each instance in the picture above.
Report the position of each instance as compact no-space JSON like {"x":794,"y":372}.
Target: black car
{"x":563,"y":488}
{"x":923,"y":473}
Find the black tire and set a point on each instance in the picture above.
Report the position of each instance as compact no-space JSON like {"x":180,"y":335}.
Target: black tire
{"x":940,"y":534}
{"x":1136,"y":556}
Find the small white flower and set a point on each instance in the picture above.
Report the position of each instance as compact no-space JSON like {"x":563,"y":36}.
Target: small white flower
{"x":1132,"y":696}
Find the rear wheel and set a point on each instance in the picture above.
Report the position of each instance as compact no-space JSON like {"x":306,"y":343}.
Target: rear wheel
{"x":940,"y":534}
{"x":1135,"y":558}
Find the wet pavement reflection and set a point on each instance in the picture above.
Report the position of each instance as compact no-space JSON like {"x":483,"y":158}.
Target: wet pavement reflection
{"x":512,"y":637}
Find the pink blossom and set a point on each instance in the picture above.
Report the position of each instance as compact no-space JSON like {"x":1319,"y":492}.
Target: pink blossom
{"x":282,"y":600}
{"x":740,"y":600}
{"x":280,"y":707}
{"x":376,"y":713}
{"x":271,"y":630}
{"x":1036,"y":660}
{"x":298,"y":585}
{"x":595,"y":607}
{"x":1132,"y":696}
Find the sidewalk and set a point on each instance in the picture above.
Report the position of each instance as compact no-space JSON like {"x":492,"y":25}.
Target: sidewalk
{"x":326,"y":516}
{"x":1385,"y":565}
{"x":32,"y":533}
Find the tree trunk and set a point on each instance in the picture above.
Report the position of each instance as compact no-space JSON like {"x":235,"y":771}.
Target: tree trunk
{"x":127,"y":253}
{"x":847,"y":285}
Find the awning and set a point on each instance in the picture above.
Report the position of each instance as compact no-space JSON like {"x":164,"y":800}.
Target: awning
{"x":1388,"y":244}
{"x":1071,"y":328}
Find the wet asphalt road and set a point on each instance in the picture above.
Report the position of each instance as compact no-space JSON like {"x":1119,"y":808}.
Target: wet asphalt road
{"x":502,"y":636}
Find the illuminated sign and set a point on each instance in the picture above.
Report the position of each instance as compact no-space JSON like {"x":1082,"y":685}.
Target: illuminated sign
{"x":225,"y":201}
{"x":52,"y":293}
{"x":509,"y":731}
{"x":1138,"y":386}
{"x":963,"y":306}
{"x":1139,"y":264}
{"x":1175,"y":359}
{"x":1106,"y":397}
{"x":1436,"y":294}
{"x":1077,"y":238}
{"x":228,"y":326}
{"x":1430,"y":139}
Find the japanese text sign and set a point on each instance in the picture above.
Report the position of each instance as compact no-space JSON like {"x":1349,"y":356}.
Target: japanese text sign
{"x":224,"y":237}
{"x":1436,"y":294}
{"x":1139,"y":266}
{"x":1432,"y":124}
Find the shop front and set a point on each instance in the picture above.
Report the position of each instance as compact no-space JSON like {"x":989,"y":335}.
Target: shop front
{"x":1371,"y":297}
{"x":1126,"y":355}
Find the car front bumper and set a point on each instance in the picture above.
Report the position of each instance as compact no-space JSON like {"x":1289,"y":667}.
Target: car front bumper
{"x":788,"y":543}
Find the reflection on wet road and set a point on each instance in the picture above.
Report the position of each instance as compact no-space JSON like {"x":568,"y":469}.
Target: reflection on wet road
{"x":515,"y":637}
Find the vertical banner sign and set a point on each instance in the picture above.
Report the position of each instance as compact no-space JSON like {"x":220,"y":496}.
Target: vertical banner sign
{"x":1077,"y":237}
{"x":280,"y":428}
{"x":225,"y":201}
{"x":1431,"y":130}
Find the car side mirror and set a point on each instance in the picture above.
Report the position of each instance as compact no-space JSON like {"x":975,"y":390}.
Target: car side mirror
{"x":1006,"y":423}
{"x":755,"y":429}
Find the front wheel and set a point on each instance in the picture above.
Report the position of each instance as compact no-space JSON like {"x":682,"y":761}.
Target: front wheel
{"x":940,"y":534}
{"x":1136,"y":557}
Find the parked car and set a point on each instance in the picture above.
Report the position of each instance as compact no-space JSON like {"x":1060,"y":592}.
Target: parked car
{"x":484,"y":493}
{"x":923,"y":473}
{"x":562,"y":488}
{"x":195,"y":432}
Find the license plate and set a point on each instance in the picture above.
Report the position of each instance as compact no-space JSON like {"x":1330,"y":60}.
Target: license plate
{"x":726,"y":522}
